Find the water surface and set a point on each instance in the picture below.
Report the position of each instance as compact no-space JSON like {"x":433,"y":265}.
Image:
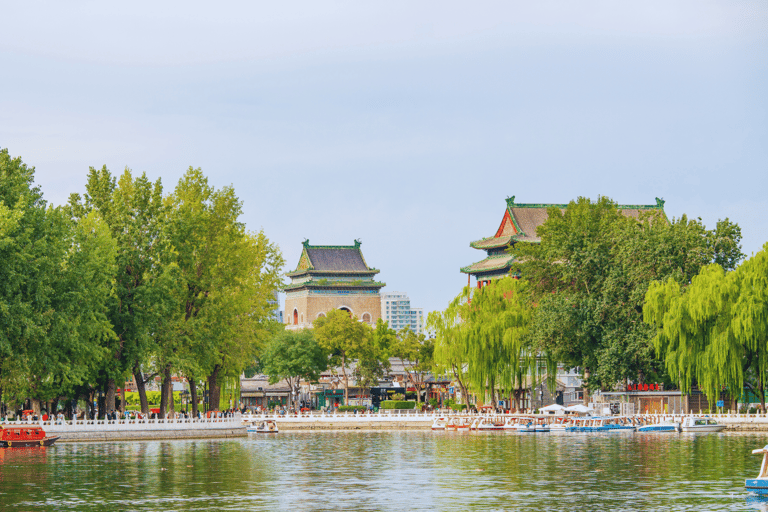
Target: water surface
{"x":389,"y":471}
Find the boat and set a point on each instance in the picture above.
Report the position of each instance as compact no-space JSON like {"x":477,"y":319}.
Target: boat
{"x":559,"y":425}
{"x":705,"y":424}
{"x":486,"y":424}
{"x":264,"y":427}
{"x":601,"y":424}
{"x":463,"y":425}
{"x":439,"y":424}
{"x":16,"y":436}
{"x":759,"y":485}
{"x":662,"y":426}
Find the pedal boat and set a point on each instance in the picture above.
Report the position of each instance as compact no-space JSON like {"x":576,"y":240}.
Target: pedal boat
{"x":759,"y":485}
{"x":439,"y":424}
{"x":17,"y":436}
{"x":264,"y":427}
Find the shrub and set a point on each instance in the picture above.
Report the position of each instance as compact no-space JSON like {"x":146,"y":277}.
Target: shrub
{"x":397,"y":404}
{"x":343,"y":408}
{"x":153,"y":397}
{"x":457,"y":407}
{"x":433,"y":402}
{"x":397,"y":396}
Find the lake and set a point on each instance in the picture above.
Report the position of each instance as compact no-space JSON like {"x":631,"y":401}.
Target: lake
{"x":389,"y":470}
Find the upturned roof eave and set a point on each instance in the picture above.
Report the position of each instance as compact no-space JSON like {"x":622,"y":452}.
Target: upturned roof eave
{"x":296,"y":273}
{"x":315,"y":285}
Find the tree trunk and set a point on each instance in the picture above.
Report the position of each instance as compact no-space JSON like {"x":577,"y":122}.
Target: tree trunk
{"x":35,"y":406}
{"x":167,"y":408}
{"x":214,"y":389}
{"x":141,"y":387}
{"x":461,"y":384}
{"x":585,"y":389}
{"x":169,"y":389}
{"x":110,"y":395}
{"x":101,"y":407}
{"x":346,"y":379}
{"x":193,"y":394}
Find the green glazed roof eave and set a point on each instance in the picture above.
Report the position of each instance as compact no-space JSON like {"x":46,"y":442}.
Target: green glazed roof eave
{"x":335,"y":285}
{"x":499,"y":263}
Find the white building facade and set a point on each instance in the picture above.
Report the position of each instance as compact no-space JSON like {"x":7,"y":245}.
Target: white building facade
{"x":396,"y":310}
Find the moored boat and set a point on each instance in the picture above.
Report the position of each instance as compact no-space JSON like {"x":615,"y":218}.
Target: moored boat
{"x":439,"y":424}
{"x":264,"y":427}
{"x":705,"y":424}
{"x":664,"y":426}
{"x":16,"y":436}
{"x":759,"y":485}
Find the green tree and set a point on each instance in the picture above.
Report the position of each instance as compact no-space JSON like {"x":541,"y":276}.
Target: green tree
{"x":416,"y":354}
{"x":372,"y":364}
{"x":714,"y":331}
{"x":134,"y":211}
{"x":484,"y":332}
{"x":589,"y":276}
{"x":55,"y":278}
{"x":227,"y":278}
{"x":294,"y":356}
{"x":345,"y":338}
{"x":450,"y":354}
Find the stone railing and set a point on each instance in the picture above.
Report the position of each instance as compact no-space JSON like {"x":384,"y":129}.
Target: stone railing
{"x":119,"y":425}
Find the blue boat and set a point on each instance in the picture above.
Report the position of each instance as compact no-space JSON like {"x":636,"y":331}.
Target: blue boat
{"x":601,"y":424}
{"x":666,"y":426}
{"x":759,"y":485}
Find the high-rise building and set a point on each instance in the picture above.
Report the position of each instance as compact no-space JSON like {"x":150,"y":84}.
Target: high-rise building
{"x":397,"y":311}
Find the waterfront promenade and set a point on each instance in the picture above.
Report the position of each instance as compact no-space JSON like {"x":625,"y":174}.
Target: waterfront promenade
{"x":234,"y":426}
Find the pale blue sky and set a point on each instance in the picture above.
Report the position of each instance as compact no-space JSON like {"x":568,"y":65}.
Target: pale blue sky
{"x":404,"y":124}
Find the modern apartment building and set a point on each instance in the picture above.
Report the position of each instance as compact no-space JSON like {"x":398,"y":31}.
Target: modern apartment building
{"x":397,"y":311}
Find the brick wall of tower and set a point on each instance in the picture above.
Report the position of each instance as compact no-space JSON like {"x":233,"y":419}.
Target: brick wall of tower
{"x":312,"y":305}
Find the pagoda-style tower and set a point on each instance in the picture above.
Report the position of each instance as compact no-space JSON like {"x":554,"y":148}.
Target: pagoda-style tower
{"x":519,"y":223}
{"x":331,"y":277}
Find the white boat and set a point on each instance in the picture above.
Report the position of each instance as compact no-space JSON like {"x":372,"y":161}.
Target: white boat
{"x":439,"y":424}
{"x":705,"y":424}
{"x":264,"y":427}
{"x":759,"y":485}
{"x":486,"y":424}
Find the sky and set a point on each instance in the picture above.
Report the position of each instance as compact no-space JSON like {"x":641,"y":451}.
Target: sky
{"x":403,"y":124}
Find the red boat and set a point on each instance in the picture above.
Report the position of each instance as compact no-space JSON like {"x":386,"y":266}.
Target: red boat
{"x":24,"y":435}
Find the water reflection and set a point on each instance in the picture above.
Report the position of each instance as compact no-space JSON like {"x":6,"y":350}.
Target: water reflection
{"x":387,"y":471}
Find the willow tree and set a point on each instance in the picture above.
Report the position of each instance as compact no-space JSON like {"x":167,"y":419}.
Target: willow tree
{"x":490,"y":337}
{"x":715,"y":330}
{"x":449,"y":352}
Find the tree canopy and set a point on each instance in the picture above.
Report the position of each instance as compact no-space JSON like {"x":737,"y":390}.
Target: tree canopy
{"x":714,"y":331}
{"x":126,"y":280}
{"x":293,"y":356}
{"x":589,"y":275}
{"x":346,"y":339}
